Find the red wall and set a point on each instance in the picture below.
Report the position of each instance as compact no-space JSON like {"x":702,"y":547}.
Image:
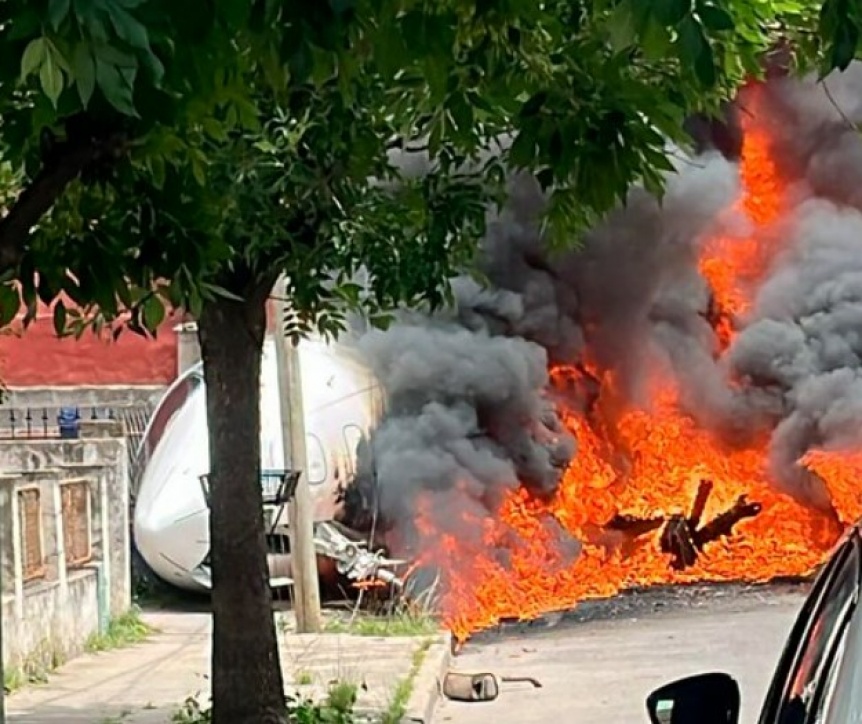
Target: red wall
{"x":38,"y":358}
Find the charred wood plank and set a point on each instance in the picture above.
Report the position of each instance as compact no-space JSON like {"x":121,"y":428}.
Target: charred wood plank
{"x":634,"y":526}
{"x":723,"y":524}
{"x":699,"y":506}
{"x":678,"y":540}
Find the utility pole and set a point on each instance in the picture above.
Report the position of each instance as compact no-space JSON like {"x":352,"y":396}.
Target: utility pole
{"x":2,"y":665}
{"x":303,"y":557}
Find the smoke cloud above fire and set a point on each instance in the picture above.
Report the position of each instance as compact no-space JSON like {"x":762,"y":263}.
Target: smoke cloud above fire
{"x":471,"y":414}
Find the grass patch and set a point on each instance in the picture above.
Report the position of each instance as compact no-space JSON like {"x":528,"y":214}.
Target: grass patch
{"x":337,"y":708}
{"x":123,"y":631}
{"x":397,"y":707}
{"x":303,"y":678}
{"x":34,"y":669}
{"x":404,"y":623}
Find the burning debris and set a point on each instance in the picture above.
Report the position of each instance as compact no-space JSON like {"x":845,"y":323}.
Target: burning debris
{"x":709,"y":343}
{"x":684,"y":538}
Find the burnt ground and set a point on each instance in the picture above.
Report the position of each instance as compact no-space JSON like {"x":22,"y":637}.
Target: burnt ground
{"x":598,"y":662}
{"x":654,"y":601}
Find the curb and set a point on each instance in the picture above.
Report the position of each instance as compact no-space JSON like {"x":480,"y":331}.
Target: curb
{"x":429,"y":678}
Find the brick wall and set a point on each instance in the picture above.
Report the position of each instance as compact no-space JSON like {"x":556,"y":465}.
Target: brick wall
{"x":38,"y":358}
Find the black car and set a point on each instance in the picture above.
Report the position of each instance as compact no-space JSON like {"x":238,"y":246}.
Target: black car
{"x":819,"y":674}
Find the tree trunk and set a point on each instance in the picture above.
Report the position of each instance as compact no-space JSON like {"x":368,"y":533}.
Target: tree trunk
{"x":247,"y":684}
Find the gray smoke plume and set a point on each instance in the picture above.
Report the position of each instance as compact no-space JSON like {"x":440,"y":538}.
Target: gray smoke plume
{"x":803,"y":341}
{"x":470,"y":415}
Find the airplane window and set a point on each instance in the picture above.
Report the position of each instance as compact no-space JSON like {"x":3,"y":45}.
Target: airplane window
{"x":168,"y":407}
{"x":352,"y":437}
{"x":316,"y":457}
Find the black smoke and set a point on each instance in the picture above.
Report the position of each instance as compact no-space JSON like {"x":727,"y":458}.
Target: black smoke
{"x":470,"y":414}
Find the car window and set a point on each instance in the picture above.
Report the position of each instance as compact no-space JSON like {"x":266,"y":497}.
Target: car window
{"x":805,"y":685}
{"x":842,"y":701}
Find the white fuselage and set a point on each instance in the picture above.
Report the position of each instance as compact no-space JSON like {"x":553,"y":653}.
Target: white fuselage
{"x":171,"y":517}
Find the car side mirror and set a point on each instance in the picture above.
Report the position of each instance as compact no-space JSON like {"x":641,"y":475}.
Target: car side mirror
{"x":703,"y":699}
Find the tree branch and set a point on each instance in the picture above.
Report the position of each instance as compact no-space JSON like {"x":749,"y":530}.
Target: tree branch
{"x":66,"y":163}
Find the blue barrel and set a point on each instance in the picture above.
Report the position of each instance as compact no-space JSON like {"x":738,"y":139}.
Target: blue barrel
{"x":69,"y":422}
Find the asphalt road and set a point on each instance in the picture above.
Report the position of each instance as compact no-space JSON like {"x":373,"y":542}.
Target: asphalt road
{"x":598,"y":664}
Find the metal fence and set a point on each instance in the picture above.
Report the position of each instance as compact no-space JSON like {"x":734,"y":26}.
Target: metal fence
{"x":42,"y":423}
{"x":135,"y":419}
{"x":35,"y":423}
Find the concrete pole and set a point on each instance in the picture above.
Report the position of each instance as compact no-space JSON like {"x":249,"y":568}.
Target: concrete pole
{"x":188,"y":346}
{"x":2,"y":664}
{"x":303,"y":557}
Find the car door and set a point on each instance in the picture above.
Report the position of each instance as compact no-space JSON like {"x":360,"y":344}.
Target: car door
{"x":806,"y":681}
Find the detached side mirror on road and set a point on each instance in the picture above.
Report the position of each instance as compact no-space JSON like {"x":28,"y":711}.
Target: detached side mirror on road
{"x":703,"y":699}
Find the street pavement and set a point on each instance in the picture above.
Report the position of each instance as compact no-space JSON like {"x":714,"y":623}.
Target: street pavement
{"x":595,"y":665}
{"x":147,"y":683}
{"x":600,"y":670}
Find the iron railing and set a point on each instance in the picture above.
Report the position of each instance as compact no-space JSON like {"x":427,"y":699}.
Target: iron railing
{"x":29,"y":423}
{"x":135,"y":419}
{"x":33,"y":423}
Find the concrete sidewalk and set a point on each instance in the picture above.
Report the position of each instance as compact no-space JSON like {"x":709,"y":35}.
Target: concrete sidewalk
{"x":147,"y":683}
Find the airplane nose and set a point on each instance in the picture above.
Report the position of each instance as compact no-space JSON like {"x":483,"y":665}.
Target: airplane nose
{"x":172,"y":529}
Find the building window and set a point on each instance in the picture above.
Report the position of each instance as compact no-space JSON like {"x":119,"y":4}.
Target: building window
{"x":76,"y":523}
{"x":30,"y":519}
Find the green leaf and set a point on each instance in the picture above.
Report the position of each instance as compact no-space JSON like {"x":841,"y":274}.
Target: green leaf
{"x":27,"y":24}
{"x":33,"y":57}
{"x":461,"y":112}
{"x":696,"y":52}
{"x":199,"y":172}
{"x":523,"y":149}
{"x":621,"y":27}
{"x":218,"y":291}
{"x":10,"y":304}
{"x":51,"y":79}
{"x":655,"y":40}
{"x":153,"y":312}
{"x":128,"y":28}
{"x":715,"y":18}
{"x":57,"y":12}
{"x":158,"y":170}
{"x":534,"y":104}
{"x":668,"y":12}
{"x":235,"y":12}
{"x":844,"y":45}
{"x":156,"y":68}
{"x":60,"y":318}
{"x":84,"y":69}
{"x":113,"y":85}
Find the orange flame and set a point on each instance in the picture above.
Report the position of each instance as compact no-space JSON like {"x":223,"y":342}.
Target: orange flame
{"x":733,"y":266}
{"x":841,"y":471}
{"x":644,"y":463}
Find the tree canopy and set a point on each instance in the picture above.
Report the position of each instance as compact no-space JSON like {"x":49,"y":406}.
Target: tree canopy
{"x":135,"y":99}
{"x":161,"y":154}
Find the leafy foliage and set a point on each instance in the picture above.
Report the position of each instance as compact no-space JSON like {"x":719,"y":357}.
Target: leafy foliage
{"x":136,"y":131}
{"x":160,"y":154}
{"x":336,"y":708}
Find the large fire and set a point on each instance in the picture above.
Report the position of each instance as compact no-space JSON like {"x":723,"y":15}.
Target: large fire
{"x":644,"y":463}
